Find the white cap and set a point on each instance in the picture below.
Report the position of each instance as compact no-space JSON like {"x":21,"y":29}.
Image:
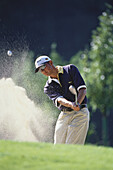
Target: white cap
{"x":40,"y":61}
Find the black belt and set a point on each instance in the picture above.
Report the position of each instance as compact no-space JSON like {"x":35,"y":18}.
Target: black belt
{"x":68,"y":109}
{"x":83,"y":106}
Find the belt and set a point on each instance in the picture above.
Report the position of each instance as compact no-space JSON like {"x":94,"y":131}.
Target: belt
{"x":83,"y":106}
{"x":68,"y":109}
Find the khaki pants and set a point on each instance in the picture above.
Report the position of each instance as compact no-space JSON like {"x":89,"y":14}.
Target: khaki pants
{"x":72,"y":127}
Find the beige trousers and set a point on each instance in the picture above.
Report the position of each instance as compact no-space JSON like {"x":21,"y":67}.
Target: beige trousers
{"x":72,"y":127}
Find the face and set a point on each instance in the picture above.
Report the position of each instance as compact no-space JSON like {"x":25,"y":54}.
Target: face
{"x":47,"y":70}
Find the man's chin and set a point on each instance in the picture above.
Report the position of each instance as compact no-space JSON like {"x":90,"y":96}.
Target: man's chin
{"x":46,"y":74}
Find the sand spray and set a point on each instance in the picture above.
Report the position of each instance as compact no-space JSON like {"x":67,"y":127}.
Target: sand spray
{"x":20,"y":119}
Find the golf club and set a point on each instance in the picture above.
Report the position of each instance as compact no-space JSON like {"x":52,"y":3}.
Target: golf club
{"x":73,"y":91}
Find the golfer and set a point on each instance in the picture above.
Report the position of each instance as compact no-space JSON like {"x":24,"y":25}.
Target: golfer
{"x":73,"y":121}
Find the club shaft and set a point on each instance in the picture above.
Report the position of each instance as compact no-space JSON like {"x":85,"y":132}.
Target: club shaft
{"x":75,"y":98}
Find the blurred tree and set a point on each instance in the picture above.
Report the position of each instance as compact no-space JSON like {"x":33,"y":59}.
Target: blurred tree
{"x":55,"y":56}
{"x":96,"y":65}
{"x":101,"y":69}
{"x":80,"y":60}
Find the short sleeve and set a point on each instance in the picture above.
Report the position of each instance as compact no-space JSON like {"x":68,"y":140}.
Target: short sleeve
{"x":76,"y":77}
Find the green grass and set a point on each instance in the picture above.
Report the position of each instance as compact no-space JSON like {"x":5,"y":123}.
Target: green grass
{"x":46,"y":156}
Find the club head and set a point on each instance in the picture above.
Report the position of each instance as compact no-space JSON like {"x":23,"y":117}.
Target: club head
{"x":72,"y":89}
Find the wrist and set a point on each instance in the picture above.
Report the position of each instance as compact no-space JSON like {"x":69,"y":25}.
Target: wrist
{"x":75,"y":106}
{"x":78,"y":104}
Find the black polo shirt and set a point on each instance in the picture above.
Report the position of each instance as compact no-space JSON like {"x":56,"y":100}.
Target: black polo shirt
{"x":67,"y":75}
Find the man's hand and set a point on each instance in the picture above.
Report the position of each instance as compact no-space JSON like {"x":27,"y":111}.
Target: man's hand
{"x":75,"y":106}
{"x":67,"y":103}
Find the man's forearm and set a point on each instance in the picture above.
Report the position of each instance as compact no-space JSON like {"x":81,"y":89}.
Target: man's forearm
{"x":73,"y":105}
{"x":81,"y":95}
{"x":80,"y":98}
{"x":67,"y":103}
{"x":64,"y":102}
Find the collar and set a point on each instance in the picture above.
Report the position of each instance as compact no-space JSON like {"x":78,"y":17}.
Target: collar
{"x":53,"y":79}
{"x":60,"y":70}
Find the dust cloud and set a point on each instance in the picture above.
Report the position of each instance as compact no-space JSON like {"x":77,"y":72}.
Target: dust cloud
{"x":20,"y":119}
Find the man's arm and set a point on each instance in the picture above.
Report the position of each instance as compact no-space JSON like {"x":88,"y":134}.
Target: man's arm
{"x":65,"y":102}
{"x":81,"y":95}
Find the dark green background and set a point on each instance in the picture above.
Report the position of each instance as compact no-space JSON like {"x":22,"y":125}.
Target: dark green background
{"x":69,"y":23}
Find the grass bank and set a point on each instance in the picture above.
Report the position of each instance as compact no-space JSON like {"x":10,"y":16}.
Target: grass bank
{"x":46,"y":156}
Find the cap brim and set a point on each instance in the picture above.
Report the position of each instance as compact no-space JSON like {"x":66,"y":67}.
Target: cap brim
{"x":37,"y":69}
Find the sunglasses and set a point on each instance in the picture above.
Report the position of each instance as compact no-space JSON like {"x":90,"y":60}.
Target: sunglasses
{"x":42,"y":68}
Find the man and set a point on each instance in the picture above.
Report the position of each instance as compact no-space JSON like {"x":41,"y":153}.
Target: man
{"x":73,"y":121}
